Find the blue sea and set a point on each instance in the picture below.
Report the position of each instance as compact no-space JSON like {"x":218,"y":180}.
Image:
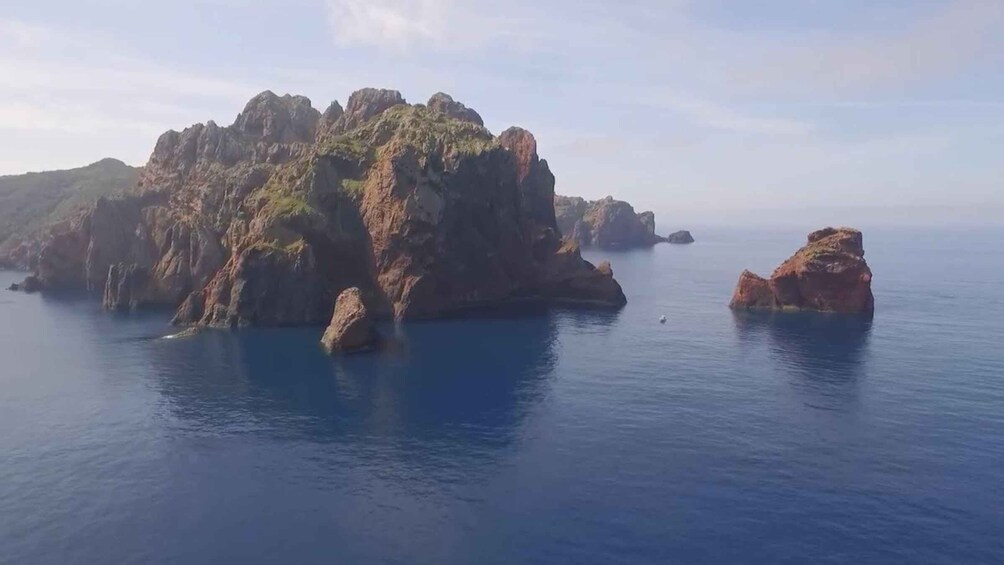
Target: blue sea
{"x":528,"y":435}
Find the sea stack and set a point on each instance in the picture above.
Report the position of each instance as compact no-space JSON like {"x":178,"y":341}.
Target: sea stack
{"x":828,"y":274}
{"x":351,"y":327}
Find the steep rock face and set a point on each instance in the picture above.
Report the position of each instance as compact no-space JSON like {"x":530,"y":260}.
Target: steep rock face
{"x":351,"y":328}
{"x":605,"y":223}
{"x":267,"y":221}
{"x":828,"y":274}
{"x":445,"y":103}
{"x":126,"y":287}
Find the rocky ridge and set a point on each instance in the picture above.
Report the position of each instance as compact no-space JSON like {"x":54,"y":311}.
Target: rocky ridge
{"x":268,"y":220}
{"x":29,"y":203}
{"x":606,"y":223}
{"x":828,"y":274}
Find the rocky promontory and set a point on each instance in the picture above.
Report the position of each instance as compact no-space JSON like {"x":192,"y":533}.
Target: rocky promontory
{"x":828,"y":274}
{"x":606,"y":223}
{"x":268,"y":220}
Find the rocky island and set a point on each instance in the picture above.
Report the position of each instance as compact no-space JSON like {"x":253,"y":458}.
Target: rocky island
{"x":828,"y":274}
{"x":608,"y":224}
{"x":268,"y":220}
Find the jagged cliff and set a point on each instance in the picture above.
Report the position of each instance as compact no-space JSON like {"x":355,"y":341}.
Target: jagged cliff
{"x":828,"y":274}
{"x":266,"y":221}
{"x":606,"y":223}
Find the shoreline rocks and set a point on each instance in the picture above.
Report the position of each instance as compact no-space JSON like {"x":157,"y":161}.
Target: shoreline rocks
{"x":828,"y":274}
{"x":351,"y":329}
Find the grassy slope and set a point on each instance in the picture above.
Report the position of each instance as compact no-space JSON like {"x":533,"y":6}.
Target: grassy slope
{"x":30,"y":201}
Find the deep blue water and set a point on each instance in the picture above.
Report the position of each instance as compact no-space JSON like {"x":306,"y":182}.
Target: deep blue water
{"x":532,"y":436}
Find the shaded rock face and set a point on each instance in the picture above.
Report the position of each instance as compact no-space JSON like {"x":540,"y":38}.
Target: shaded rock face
{"x":351,"y":328}
{"x":267,"y":221}
{"x":445,"y":103}
{"x":605,"y":223}
{"x":125,"y":287}
{"x":680,"y":237}
{"x":828,"y":274}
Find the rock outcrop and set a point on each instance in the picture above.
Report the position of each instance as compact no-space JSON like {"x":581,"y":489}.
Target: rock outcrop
{"x":605,"y":223}
{"x":829,"y":274}
{"x":681,"y":237}
{"x":267,"y":221}
{"x":445,"y":103}
{"x":351,"y":328}
{"x":125,"y":287}
{"x":29,"y":285}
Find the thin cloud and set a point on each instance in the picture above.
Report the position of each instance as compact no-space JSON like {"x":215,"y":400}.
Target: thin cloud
{"x":941,"y":44}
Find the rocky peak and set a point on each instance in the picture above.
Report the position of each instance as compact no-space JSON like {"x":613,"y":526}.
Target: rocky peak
{"x":536,"y":183}
{"x":848,"y":240}
{"x":365,"y":104}
{"x":332,"y":114}
{"x":278,"y":119}
{"x":524,"y":146}
{"x":442,"y":102}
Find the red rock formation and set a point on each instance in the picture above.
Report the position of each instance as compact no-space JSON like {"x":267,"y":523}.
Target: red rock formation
{"x":267,"y":221}
{"x":351,"y":328}
{"x":829,"y":274}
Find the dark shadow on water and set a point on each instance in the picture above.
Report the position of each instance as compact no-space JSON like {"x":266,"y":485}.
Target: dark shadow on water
{"x":466,"y":385}
{"x":825,"y":353}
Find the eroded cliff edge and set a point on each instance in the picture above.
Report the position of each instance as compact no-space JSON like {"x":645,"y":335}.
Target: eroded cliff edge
{"x":828,"y":274}
{"x":266,"y":221}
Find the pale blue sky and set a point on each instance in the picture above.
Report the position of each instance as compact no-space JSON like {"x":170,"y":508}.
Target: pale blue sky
{"x":693,"y":108}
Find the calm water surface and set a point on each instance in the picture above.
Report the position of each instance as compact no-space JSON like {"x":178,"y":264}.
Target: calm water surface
{"x":532,"y":436}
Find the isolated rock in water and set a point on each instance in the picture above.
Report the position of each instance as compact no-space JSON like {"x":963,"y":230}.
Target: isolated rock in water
{"x":29,"y":284}
{"x":605,"y":223}
{"x":264,"y":221}
{"x":680,"y":237}
{"x":351,"y":328}
{"x":445,"y":103}
{"x":829,"y":274}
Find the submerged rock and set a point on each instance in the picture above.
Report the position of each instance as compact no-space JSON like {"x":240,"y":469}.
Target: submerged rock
{"x":828,"y":274}
{"x":351,"y":328}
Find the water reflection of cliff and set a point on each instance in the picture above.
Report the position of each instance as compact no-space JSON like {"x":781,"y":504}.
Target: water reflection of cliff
{"x":459,"y":388}
{"x":826,"y":352}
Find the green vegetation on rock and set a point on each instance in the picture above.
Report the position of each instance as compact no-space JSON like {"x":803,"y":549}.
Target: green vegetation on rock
{"x":31,"y":201}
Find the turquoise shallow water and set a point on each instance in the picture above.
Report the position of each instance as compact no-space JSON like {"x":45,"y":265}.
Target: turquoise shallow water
{"x":528,"y":436}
